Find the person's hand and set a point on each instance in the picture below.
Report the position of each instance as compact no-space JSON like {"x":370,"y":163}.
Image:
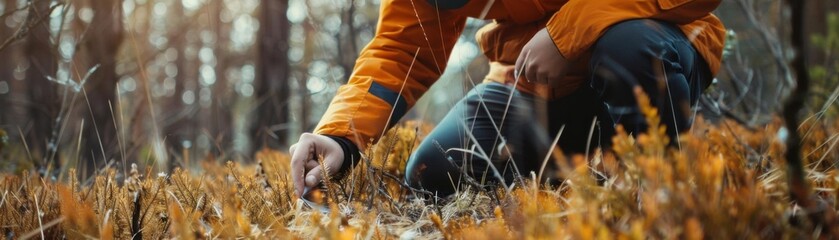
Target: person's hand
{"x":306,"y":171}
{"x":540,"y":61}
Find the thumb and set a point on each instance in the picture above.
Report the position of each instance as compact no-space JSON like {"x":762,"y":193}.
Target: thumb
{"x":518,"y":69}
{"x":313,"y":177}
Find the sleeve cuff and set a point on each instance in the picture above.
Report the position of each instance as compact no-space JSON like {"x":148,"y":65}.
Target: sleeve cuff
{"x":553,"y":26}
{"x":351,"y":153}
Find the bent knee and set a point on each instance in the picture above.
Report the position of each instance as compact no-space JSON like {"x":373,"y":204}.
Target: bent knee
{"x":627,"y":41}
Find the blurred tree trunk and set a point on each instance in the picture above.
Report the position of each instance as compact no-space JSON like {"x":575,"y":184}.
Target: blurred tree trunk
{"x":816,"y":23}
{"x":271,"y":83}
{"x":303,"y":89}
{"x":43,"y":96}
{"x":102,"y":47}
{"x":347,"y":50}
{"x":799,"y":188}
{"x":305,"y":104}
{"x":7,"y":70}
{"x":177,"y":126}
{"x":221,"y":111}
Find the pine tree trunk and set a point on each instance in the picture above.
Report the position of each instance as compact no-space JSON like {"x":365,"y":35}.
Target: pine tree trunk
{"x":102,"y":46}
{"x":799,"y":188}
{"x":271,"y":83}
{"x":816,"y":23}
{"x":178,"y":127}
{"x":221,"y":111}
{"x":43,"y":96}
{"x":7,"y":67}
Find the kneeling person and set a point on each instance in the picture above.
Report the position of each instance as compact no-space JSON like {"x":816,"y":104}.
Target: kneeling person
{"x":555,"y":65}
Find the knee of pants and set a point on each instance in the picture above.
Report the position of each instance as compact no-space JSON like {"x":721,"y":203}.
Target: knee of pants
{"x":427,"y":170}
{"x":484,"y":117}
{"x":635,"y":53}
{"x":429,"y":167}
{"x":648,"y":54}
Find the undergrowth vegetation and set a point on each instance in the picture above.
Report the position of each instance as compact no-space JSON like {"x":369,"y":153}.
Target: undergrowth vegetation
{"x":723,"y":181}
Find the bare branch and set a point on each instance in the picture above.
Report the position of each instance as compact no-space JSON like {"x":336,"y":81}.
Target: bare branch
{"x":23,"y":31}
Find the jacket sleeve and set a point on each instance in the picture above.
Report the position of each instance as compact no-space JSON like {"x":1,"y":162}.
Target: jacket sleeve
{"x":408,"y":53}
{"x":579,"y":23}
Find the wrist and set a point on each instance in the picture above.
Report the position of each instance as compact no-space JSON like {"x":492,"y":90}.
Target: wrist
{"x":351,"y":153}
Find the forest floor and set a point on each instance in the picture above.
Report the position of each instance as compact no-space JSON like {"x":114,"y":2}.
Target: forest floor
{"x":725,"y":181}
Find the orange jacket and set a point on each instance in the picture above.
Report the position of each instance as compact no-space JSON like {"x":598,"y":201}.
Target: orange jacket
{"x":413,"y":40}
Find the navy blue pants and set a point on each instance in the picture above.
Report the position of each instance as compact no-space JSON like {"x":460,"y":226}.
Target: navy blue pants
{"x":515,"y":133}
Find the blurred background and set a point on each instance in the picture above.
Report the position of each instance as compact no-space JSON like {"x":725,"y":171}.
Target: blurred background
{"x":163,"y":83}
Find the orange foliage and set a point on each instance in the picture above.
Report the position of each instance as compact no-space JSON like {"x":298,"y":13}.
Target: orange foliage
{"x":724,"y":181}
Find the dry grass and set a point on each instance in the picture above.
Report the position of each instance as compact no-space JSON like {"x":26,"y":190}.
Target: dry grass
{"x":726,"y":182}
